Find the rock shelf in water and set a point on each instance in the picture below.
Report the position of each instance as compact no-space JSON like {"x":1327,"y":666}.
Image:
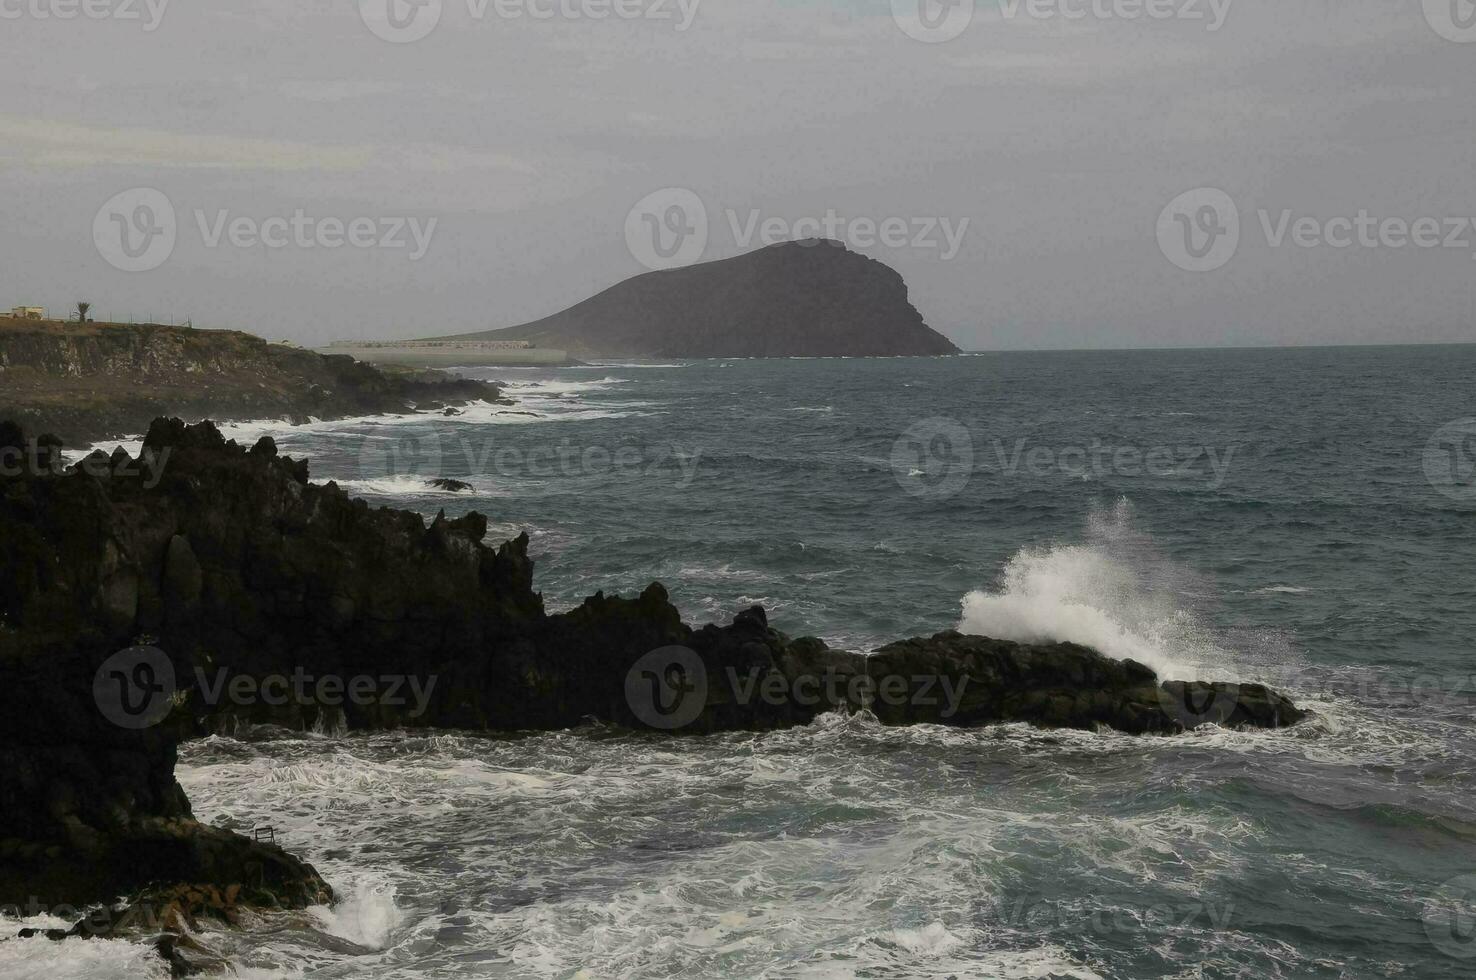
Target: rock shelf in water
{"x":227,"y":563}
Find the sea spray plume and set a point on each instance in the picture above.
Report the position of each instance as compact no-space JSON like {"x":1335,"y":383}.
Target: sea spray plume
{"x":236,"y":560}
{"x":373,"y":590}
{"x":1119,"y":594}
{"x":1115,"y":593}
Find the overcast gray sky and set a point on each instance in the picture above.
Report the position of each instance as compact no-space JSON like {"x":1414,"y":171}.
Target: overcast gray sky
{"x":1061,"y":140}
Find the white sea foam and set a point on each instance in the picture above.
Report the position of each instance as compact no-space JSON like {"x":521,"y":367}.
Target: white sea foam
{"x":620,"y":856}
{"x":624,"y":365}
{"x":74,"y":959}
{"x":368,"y":917}
{"x":556,"y":400}
{"x":929,"y":940}
{"x":402,"y":485}
{"x":132,"y":447}
{"x":1111,"y":593}
{"x":559,"y":388}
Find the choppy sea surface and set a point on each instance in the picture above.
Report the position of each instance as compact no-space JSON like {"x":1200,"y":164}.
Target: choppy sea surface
{"x":1305,"y":518}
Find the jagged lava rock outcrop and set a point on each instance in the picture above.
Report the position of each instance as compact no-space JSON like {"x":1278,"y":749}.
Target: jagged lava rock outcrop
{"x":233,"y":565}
{"x":90,"y":810}
{"x":813,"y":298}
{"x":234,"y":562}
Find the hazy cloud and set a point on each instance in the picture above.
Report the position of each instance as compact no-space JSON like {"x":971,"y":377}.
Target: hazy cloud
{"x":1061,"y":140}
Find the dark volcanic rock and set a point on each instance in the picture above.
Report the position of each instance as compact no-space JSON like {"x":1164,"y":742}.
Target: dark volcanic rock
{"x":1062,"y":685}
{"x":90,"y":810}
{"x":453,"y":486}
{"x":813,"y":298}
{"x":749,"y":676}
{"x":137,"y":611}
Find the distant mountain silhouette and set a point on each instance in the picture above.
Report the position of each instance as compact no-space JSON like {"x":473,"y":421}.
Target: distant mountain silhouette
{"x":813,"y":298}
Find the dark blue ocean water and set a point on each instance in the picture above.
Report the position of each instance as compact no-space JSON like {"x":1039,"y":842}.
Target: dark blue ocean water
{"x":1306,"y":518}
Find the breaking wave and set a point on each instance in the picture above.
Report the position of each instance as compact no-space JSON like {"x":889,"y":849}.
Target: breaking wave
{"x":1113,"y":592}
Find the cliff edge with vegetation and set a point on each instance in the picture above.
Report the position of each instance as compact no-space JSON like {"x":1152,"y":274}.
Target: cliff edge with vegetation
{"x":86,"y":382}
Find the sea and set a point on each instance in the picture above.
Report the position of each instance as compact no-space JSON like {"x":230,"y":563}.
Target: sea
{"x":1304,"y":518}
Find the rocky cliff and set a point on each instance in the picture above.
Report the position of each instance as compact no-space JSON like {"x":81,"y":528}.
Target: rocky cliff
{"x":86,"y":382}
{"x":797,"y":299}
{"x":136,"y":612}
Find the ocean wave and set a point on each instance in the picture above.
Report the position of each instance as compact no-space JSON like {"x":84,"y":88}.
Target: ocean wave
{"x":403,"y":486}
{"x":625,"y":365}
{"x":558,"y":388}
{"x":1112,"y":593}
{"x":368,"y":917}
{"x":74,"y":959}
{"x":132,"y":446}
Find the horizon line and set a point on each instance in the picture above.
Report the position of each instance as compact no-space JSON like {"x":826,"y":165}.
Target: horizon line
{"x":1107,"y":350}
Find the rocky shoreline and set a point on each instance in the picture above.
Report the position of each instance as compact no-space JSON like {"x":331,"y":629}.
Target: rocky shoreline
{"x":88,"y":382}
{"x":135,"y":613}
